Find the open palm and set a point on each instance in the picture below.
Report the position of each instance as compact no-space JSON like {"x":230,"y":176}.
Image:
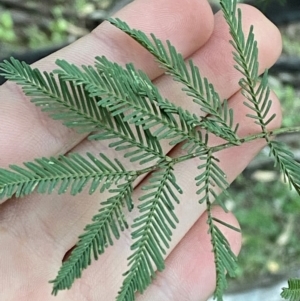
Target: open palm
{"x":36,"y":232}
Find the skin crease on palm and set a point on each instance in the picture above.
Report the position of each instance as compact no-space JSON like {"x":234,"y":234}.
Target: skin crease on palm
{"x":37,"y":231}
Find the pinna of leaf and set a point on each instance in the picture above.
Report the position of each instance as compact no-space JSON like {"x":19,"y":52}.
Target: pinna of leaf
{"x":121,"y":104}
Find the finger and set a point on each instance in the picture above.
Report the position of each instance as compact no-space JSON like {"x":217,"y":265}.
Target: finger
{"x":36,"y":134}
{"x":190,"y":268}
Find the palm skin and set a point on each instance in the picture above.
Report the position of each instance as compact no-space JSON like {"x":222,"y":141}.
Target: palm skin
{"x":37,"y":231}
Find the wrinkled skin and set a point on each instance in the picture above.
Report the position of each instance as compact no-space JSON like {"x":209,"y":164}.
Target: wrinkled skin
{"x":37,"y":231}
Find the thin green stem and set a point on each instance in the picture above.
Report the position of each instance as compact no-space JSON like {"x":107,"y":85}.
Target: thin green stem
{"x":214,"y":149}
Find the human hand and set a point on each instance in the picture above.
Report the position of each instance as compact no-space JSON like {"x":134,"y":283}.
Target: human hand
{"x":37,"y":231}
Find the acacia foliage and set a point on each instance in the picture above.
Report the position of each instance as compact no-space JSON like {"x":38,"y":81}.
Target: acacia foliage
{"x":121,"y":104}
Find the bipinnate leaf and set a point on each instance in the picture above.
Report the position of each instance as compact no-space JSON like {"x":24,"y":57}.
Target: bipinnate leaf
{"x":108,"y":101}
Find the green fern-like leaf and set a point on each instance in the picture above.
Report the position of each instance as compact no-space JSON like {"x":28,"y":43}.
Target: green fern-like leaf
{"x":112,"y":85}
{"x":153,"y":230}
{"x":261,"y":103}
{"x":61,"y":100}
{"x":146,"y":113}
{"x":74,"y":172}
{"x":69,"y":101}
{"x":220,"y":120}
{"x":138,"y":93}
{"x":225,"y":259}
{"x":140,"y":145}
{"x":246,"y":57}
{"x":211,"y":176}
{"x":292,"y":293}
{"x":287,"y":164}
{"x":109,"y":221}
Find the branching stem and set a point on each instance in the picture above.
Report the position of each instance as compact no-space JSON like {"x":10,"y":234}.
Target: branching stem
{"x":214,"y":149}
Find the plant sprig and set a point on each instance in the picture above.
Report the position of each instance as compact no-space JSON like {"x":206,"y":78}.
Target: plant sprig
{"x":107,"y":101}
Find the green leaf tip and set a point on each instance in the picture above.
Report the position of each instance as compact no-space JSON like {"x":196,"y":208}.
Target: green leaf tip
{"x":292,"y":292}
